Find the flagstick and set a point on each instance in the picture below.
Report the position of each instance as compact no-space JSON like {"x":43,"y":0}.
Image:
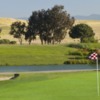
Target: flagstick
{"x":97,"y":76}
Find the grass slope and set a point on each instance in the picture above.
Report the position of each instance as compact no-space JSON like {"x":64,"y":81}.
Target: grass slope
{"x":9,"y":21}
{"x":51,"y":86}
{"x":18,"y":55}
{"x":33,"y":55}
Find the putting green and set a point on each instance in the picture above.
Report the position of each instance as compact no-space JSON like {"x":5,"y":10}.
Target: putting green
{"x":50,"y":86}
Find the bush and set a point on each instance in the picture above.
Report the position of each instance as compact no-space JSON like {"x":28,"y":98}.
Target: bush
{"x":79,"y":46}
{"x":89,"y":40}
{"x":75,"y":46}
{"x":76,"y":53}
{"x":4,"y":41}
{"x":77,"y":61}
{"x":12,"y":42}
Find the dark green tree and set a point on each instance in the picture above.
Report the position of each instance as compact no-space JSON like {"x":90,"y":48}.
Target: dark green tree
{"x":35,"y":26}
{"x":82,"y":31}
{"x":18,"y":30}
{"x":61,"y":21}
{"x":49,"y":24}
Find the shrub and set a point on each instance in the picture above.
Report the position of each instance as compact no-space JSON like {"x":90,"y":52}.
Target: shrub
{"x":75,"y":45}
{"x":4,"y":41}
{"x":78,"y":61}
{"x":89,"y":40}
{"x":12,"y":42}
{"x":77,"y":53}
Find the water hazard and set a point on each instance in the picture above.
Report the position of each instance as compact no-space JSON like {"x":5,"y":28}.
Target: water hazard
{"x":46,"y":68}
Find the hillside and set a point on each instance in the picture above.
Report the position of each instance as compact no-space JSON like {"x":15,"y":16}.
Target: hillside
{"x":5,"y":25}
{"x":6,"y":22}
{"x":89,"y":17}
{"x":9,"y":21}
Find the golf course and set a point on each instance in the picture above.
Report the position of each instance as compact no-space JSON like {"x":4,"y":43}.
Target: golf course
{"x":51,"y":86}
{"x":49,"y":50}
{"x":45,"y":86}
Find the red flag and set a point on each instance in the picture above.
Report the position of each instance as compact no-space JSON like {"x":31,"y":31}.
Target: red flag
{"x":93,"y":56}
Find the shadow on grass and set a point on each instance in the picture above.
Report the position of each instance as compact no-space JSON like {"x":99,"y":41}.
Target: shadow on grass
{"x":15,"y":76}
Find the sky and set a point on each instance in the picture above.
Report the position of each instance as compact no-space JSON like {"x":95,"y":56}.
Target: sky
{"x":24,"y":8}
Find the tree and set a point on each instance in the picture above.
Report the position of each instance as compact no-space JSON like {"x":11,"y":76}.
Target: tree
{"x":49,"y":24}
{"x":82,"y":31}
{"x":18,"y":30}
{"x":35,"y":25}
{"x":60,"y":21}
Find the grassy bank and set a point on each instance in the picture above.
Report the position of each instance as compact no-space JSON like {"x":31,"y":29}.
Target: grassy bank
{"x":51,"y":86}
{"x":33,"y":55}
{"x":20,"y":55}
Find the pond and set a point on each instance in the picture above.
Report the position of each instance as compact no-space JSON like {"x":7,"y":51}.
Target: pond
{"x":46,"y":68}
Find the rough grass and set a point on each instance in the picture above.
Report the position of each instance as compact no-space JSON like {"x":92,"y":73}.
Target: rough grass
{"x":51,"y":86}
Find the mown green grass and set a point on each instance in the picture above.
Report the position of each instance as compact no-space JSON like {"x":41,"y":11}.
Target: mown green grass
{"x":33,"y":55}
{"x":50,"y":86}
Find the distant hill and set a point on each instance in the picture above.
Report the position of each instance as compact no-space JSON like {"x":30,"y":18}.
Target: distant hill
{"x":80,"y":17}
{"x":9,"y":21}
{"x":90,"y":17}
{"x":6,"y":22}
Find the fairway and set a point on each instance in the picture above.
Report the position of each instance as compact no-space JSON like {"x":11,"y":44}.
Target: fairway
{"x":50,"y":86}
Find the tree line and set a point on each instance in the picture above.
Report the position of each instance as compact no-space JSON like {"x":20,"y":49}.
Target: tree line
{"x":51,"y":26}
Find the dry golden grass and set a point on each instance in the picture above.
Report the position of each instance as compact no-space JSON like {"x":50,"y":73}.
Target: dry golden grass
{"x":6,"y":22}
{"x":9,"y":21}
